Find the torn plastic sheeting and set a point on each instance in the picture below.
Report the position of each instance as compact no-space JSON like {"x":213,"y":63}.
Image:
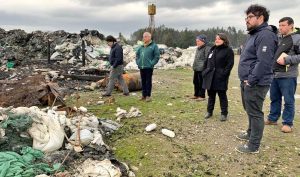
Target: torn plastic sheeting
{"x":14,"y":165}
{"x":110,"y":125}
{"x":89,"y":133}
{"x":134,"y":112}
{"x":94,"y":168}
{"x":12,"y":129}
{"x":46,"y":131}
{"x":85,"y":136}
{"x":121,"y":113}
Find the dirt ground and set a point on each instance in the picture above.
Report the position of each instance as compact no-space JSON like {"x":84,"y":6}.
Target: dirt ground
{"x":201,"y":147}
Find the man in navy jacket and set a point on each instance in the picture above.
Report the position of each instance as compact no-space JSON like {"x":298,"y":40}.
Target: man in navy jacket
{"x":117,"y":68}
{"x":255,"y":73}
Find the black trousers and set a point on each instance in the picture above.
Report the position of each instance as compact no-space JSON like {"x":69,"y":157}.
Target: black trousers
{"x":146,"y":76}
{"x":253,"y":99}
{"x":212,"y":99}
{"x":198,"y":80}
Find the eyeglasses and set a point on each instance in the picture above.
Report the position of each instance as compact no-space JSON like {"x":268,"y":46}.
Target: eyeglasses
{"x":249,"y":17}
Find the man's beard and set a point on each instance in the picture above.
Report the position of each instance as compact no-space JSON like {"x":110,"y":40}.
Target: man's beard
{"x":249,"y":28}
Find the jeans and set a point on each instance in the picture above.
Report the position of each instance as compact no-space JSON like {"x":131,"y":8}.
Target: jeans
{"x":116,"y":74}
{"x":146,"y":76}
{"x":197,"y":81}
{"x":253,"y":98}
{"x":212,"y":99}
{"x":286,"y":88}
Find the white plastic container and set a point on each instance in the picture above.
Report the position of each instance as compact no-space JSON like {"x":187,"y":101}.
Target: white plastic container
{"x":168,"y":133}
{"x":151,"y":127}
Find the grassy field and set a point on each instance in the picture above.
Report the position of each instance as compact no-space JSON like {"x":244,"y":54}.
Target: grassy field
{"x":201,"y":147}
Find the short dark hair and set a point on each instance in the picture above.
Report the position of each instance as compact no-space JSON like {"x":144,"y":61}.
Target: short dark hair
{"x":259,"y":10}
{"x":224,"y":38}
{"x":289,"y":20}
{"x":110,"y":39}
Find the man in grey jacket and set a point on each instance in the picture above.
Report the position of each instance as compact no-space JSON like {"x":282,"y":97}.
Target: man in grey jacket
{"x":255,"y":73}
{"x":285,"y":69}
{"x":200,"y":58}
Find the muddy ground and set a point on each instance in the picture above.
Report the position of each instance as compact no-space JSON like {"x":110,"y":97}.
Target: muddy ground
{"x":24,"y":84}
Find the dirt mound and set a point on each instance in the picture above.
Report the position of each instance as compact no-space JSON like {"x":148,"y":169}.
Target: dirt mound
{"x":30,"y":91}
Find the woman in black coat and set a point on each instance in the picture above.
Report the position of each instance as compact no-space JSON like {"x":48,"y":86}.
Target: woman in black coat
{"x":216,"y":74}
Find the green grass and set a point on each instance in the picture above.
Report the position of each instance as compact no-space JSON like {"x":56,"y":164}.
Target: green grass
{"x":200,"y":148}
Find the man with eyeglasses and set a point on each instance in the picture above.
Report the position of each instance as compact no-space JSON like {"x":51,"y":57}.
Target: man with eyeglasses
{"x":255,"y":73}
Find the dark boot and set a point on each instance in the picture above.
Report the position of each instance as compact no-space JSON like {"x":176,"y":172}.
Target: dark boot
{"x":208,"y":115}
{"x":223,"y":117}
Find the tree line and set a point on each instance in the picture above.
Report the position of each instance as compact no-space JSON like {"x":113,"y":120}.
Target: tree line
{"x":186,"y":38}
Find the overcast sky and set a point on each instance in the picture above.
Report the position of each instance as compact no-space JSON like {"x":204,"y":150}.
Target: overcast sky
{"x":126,"y":16}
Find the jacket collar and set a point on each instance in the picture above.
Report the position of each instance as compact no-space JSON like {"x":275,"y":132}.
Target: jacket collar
{"x":201,"y":47}
{"x":258,"y":28}
{"x":219,"y":47}
{"x":146,"y":45}
{"x":114,"y":45}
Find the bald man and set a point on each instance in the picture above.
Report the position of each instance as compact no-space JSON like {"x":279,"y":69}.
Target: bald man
{"x":147,"y":56}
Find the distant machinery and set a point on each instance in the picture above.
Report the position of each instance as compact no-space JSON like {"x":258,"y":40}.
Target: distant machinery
{"x":151,"y":13}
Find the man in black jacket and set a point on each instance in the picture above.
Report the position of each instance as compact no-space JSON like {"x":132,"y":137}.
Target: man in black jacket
{"x":286,"y":71}
{"x":255,"y":73}
{"x":117,"y":68}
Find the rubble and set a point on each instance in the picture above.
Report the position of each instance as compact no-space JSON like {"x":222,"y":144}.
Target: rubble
{"x":98,"y":168}
{"x":47,"y":131}
{"x":66,"y":49}
{"x":133,"y":112}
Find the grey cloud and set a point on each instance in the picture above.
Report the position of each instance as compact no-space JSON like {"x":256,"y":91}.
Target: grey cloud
{"x":76,"y":18}
{"x":172,"y":4}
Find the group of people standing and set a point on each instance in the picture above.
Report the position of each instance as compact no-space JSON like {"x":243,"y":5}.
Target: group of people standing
{"x":147,"y":57}
{"x":212,"y":66}
{"x":268,"y":61}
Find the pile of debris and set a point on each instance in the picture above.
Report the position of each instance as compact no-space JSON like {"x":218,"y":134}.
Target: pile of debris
{"x":19,"y":48}
{"x":74,"y":142}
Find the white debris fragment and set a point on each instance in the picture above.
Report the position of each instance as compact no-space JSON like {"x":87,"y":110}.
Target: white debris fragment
{"x":2,"y":133}
{"x":134,"y":112}
{"x":98,"y":140}
{"x":82,"y":109}
{"x":168,"y":133}
{"x":121,"y":113}
{"x":98,"y":168}
{"x":100,"y":102}
{"x":43,"y":175}
{"x":85,"y":137}
{"x":151,"y":127}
